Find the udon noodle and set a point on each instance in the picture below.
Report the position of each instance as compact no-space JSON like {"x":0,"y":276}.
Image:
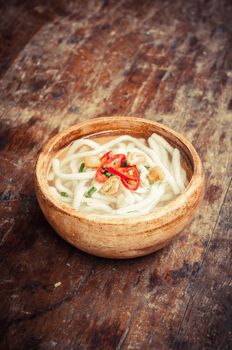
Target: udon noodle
{"x":124,"y":176}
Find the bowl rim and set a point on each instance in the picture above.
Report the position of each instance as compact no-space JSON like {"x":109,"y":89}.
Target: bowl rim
{"x":181,"y":201}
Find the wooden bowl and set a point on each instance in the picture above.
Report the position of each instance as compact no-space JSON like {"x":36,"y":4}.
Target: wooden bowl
{"x":120,"y":237}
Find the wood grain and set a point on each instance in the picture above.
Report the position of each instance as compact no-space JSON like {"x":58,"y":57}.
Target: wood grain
{"x":67,"y":61}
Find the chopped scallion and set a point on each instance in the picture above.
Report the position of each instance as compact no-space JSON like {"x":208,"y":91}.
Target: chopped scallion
{"x":90,"y":192}
{"x":124,"y":164}
{"x":63,"y":194}
{"x":107,"y":173}
{"x":147,"y":167}
{"x":82,"y":167}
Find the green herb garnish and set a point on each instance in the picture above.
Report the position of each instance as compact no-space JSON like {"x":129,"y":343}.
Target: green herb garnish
{"x":103,"y":167}
{"x":82,"y":167}
{"x":90,"y":192}
{"x":147,"y":167}
{"x":63,"y":194}
{"x":124,"y":164}
{"x":107,"y":173}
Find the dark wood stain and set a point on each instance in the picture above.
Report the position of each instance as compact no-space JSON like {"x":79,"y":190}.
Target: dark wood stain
{"x":230,"y":105}
{"x":66,"y":61}
{"x":212,"y":193}
{"x":20,"y":21}
{"x":173,"y":277}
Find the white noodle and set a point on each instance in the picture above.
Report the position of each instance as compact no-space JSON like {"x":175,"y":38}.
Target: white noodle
{"x":104,"y":147}
{"x":176,"y":169}
{"x":78,"y":194}
{"x":74,"y":166}
{"x":100,"y":211}
{"x":154,"y":193}
{"x":97,"y":205}
{"x":165,"y":159}
{"x":149,"y":161}
{"x":167,"y":174}
{"x":106,"y":199}
{"x":152,"y":143}
{"x":122,"y":149}
{"x":69,"y":184}
{"x":142,"y":169}
{"x":128,"y":211}
{"x":57,"y":195}
{"x":62,"y":188}
{"x":78,"y":176}
{"x":166,"y":197}
{"x":129,"y":196}
{"x":137,"y":197}
{"x":142,"y":190}
{"x":66,"y":169}
{"x":150,"y":207}
{"x":82,"y":142}
{"x":130,"y":147}
{"x":183,"y":176}
{"x":161,"y":141}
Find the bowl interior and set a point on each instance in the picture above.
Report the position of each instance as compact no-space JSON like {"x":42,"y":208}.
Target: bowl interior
{"x":136,"y":128}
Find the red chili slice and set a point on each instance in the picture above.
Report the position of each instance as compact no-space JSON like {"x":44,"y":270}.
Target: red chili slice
{"x":115,"y":161}
{"x":131,"y":172}
{"x":131,"y":185}
{"x":105,"y":157}
{"x":129,"y":175}
{"x":119,"y":172}
{"x":100,"y":177}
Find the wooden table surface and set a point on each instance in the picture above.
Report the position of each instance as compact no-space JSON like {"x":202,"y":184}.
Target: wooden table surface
{"x":62,"y":62}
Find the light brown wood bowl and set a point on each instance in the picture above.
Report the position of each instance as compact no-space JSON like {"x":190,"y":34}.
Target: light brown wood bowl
{"x":120,"y":238}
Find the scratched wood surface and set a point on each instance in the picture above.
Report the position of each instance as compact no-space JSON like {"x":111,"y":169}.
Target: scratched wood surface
{"x":62,"y":62}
